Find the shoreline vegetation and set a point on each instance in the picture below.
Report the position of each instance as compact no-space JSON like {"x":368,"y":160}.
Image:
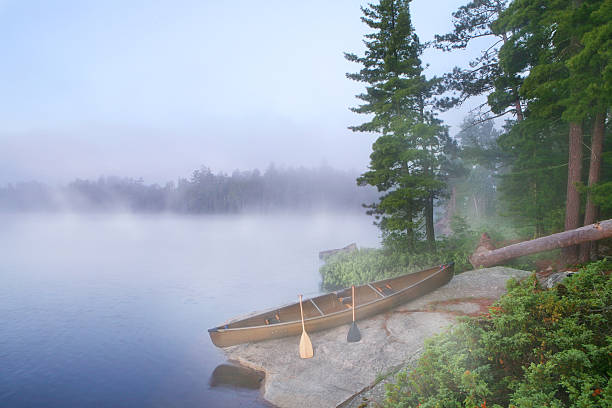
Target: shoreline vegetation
{"x":535,"y":347}
{"x":368,"y":264}
{"x":276,"y":189}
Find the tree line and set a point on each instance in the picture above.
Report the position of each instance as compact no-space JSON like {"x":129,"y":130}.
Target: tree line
{"x":546,"y":70}
{"x":205,"y":192}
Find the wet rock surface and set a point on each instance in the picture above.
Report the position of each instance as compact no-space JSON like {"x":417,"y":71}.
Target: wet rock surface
{"x":342,"y":373}
{"x":554,"y":279}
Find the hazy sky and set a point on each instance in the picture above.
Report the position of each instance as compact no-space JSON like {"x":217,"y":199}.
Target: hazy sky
{"x":155,"y":89}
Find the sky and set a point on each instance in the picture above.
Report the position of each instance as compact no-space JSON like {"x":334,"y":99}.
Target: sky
{"x":158,"y":88}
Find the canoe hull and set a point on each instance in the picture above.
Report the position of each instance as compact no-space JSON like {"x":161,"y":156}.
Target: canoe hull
{"x":225,"y":337}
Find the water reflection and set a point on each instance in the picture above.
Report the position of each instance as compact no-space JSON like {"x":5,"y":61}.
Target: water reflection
{"x":236,"y":376}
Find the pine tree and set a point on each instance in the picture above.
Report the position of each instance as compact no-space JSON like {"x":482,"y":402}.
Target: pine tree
{"x":407,"y":161}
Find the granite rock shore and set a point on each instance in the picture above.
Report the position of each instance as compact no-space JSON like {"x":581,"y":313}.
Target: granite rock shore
{"x":345,"y":374}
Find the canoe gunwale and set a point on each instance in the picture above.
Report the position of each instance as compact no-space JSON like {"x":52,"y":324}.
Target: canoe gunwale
{"x":442,"y":268}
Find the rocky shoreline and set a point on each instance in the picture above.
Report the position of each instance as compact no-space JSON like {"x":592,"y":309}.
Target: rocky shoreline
{"x":348,"y":374}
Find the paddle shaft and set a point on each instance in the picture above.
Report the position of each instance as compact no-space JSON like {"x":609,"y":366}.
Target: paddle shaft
{"x":353,"y":303}
{"x":302,"y":314}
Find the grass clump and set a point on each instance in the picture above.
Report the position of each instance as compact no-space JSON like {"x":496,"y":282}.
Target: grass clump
{"x":535,"y":348}
{"x":366,"y":265}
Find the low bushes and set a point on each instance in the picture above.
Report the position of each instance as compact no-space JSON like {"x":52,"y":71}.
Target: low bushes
{"x":535,"y":348}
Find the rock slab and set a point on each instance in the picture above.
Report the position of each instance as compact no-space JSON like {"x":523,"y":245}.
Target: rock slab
{"x":340,"y":370}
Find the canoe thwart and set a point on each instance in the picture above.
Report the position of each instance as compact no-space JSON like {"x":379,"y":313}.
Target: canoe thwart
{"x":378,"y":292}
{"x":317,"y":307}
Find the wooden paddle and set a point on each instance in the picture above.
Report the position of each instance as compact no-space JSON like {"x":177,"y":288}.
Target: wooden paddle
{"x":305,"y":344}
{"x":353,"y":334}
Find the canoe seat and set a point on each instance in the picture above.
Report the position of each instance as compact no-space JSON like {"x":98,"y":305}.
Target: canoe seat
{"x":346,"y":300}
{"x":386,"y":289}
{"x":272,"y":319}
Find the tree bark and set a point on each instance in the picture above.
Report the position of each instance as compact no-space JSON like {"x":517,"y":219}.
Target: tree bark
{"x":574,"y":172}
{"x":590,"y":213}
{"x":429,"y":224}
{"x":517,"y":107}
{"x":485,"y":257}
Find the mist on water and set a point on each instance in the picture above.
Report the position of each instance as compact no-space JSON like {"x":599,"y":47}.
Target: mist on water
{"x":113,"y":309}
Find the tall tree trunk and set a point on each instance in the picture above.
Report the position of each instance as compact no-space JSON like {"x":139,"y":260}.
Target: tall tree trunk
{"x":452,"y":205}
{"x":519,"y":110}
{"x":574,"y":165}
{"x":429,"y":223}
{"x":590,"y":213}
{"x":410,"y":230}
{"x":475,"y":206}
{"x":574,"y":172}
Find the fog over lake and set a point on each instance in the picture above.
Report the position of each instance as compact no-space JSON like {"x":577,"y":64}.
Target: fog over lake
{"x":112,"y":309}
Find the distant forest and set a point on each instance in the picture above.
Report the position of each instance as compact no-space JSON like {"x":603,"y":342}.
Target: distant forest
{"x":204,"y":192}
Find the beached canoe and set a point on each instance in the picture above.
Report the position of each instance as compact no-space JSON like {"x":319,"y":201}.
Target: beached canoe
{"x":331,"y":309}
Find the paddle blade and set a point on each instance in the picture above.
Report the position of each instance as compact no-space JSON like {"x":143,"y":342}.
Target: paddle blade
{"x":305,"y":346}
{"x":353,"y":334}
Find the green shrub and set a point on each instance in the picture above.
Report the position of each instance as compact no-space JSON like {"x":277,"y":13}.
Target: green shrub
{"x":535,"y":348}
{"x":366,"y":265}
{"x":344,"y":269}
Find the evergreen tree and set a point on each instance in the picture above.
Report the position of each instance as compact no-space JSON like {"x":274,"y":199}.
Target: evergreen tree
{"x":407,"y":163}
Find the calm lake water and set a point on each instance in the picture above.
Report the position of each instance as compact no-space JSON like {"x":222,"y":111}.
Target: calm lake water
{"x":112,"y":310}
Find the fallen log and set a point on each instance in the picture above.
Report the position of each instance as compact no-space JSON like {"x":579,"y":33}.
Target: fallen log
{"x":486,"y":257}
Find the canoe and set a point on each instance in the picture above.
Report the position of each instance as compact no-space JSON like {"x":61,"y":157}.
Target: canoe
{"x":332,"y":309}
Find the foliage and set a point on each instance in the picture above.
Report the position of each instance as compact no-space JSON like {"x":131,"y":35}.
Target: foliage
{"x":591,"y":66}
{"x":486,"y":74}
{"x":602,"y":192}
{"x":476,"y":188}
{"x":533,"y":190}
{"x":550,"y":66}
{"x":535,"y":348}
{"x":561,"y":48}
{"x":602,"y":196}
{"x":366,"y":265}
